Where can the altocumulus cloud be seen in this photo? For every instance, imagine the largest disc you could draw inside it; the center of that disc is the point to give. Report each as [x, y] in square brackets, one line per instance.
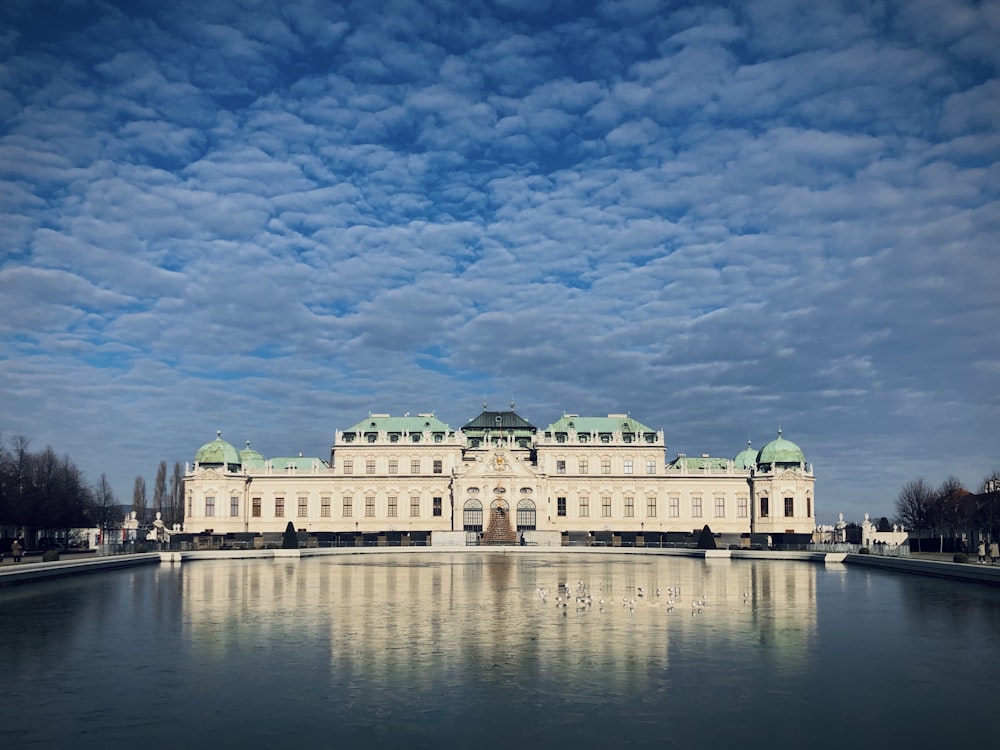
[268, 218]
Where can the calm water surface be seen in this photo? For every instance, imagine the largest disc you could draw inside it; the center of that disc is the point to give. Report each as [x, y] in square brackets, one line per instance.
[449, 650]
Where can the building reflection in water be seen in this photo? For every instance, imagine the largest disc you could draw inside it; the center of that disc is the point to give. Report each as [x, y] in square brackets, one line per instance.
[443, 650]
[398, 619]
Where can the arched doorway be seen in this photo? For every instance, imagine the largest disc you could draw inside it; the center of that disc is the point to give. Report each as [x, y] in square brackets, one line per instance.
[526, 515]
[472, 520]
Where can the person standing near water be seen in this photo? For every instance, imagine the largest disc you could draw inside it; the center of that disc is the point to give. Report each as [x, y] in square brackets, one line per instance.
[994, 552]
[982, 552]
[15, 551]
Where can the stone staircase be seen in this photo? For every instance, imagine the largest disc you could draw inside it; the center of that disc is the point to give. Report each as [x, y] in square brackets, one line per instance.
[499, 530]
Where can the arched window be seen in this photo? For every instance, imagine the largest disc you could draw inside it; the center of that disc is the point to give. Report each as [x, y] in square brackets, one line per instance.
[526, 515]
[472, 516]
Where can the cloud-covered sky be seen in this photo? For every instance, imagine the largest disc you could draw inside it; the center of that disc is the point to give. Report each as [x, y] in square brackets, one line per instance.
[271, 218]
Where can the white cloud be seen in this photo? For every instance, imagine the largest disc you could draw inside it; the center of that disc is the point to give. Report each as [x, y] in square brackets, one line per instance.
[269, 218]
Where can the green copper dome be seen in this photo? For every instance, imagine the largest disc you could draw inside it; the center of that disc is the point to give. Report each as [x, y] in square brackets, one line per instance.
[217, 453]
[746, 458]
[251, 459]
[781, 452]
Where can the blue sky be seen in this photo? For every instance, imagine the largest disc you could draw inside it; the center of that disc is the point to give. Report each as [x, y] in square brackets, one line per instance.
[271, 218]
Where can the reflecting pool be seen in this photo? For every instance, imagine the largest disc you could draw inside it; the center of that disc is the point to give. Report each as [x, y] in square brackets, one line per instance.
[494, 650]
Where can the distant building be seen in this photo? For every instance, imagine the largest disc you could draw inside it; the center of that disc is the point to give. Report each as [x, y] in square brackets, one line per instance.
[411, 479]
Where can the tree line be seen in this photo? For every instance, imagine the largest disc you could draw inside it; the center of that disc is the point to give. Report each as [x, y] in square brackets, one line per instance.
[949, 511]
[166, 500]
[44, 494]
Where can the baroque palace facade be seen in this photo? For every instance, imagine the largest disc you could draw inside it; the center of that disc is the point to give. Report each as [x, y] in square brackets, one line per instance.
[499, 479]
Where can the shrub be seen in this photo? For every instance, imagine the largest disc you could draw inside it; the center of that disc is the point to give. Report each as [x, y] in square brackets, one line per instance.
[140, 548]
[290, 540]
[960, 557]
[864, 551]
[50, 555]
[706, 540]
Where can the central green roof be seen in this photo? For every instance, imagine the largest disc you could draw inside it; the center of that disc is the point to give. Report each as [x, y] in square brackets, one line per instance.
[499, 420]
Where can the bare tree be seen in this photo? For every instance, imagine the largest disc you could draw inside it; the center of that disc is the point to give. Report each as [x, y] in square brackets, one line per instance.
[160, 488]
[914, 506]
[139, 498]
[948, 508]
[176, 514]
[105, 511]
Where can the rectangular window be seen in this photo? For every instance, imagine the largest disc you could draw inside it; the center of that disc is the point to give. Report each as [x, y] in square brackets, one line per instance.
[651, 467]
[789, 507]
[393, 466]
[324, 506]
[741, 507]
[628, 465]
[675, 507]
[560, 506]
[348, 506]
[303, 507]
[605, 465]
[437, 506]
[392, 506]
[629, 507]
[209, 506]
[348, 465]
[415, 506]
[279, 507]
[415, 466]
[560, 467]
[651, 507]
[720, 507]
[437, 466]
[764, 509]
[809, 507]
[695, 507]
[606, 506]
[583, 466]
[584, 507]
[234, 506]
[370, 466]
[369, 506]
[256, 506]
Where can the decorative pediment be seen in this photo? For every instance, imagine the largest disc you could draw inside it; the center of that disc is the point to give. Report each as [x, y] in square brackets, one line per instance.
[212, 473]
[497, 463]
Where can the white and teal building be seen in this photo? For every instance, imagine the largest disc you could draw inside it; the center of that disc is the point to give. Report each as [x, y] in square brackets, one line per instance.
[500, 479]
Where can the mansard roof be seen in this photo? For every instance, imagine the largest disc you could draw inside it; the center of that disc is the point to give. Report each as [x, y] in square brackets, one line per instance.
[299, 463]
[610, 423]
[499, 420]
[406, 423]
